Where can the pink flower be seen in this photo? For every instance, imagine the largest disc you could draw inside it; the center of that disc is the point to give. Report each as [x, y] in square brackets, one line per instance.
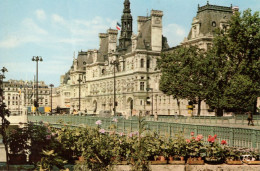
[193, 138]
[48, 137]
[187, 141]
[121, 134]
[192, 133]
[130, 134]
[197, 139]
[102, 131]
[99, 122]
[115, 120]
[223, 142]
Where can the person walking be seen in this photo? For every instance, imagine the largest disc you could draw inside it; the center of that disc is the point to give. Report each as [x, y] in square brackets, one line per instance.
[250, 118]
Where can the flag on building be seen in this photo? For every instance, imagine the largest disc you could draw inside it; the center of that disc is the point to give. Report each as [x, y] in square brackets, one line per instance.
[118, 26]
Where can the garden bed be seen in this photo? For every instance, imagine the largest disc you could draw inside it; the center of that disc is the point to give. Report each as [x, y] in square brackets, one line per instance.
[168, 167]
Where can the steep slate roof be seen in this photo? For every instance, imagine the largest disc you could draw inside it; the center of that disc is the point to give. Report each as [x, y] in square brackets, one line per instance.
[208, 14]
[82, 59]
[144, 37]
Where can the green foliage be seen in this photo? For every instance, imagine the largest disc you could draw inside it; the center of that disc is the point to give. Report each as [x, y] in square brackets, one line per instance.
[49, 160]
[18, 141]
[182, 73]
[227, 76]
[234, 64]
[4, 113]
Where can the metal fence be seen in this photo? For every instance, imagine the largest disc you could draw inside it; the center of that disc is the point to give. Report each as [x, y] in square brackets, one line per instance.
[235, 136]
[228, 120]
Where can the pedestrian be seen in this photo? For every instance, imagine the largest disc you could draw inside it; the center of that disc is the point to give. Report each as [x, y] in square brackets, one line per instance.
[250, 118]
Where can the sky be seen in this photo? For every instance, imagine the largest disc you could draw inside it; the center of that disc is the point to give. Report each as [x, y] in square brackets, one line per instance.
[58, 29]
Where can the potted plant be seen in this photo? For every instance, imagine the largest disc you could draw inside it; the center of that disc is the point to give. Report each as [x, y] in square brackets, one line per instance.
[232, 155]
[18, 145]
[214, 152]
[195, 150]
[177, 150]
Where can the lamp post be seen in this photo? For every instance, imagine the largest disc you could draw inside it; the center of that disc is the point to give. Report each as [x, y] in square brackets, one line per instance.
[3, 75]
[51, 85]
[115, 63]
[147, 89]
[36, 59]
[79, 80]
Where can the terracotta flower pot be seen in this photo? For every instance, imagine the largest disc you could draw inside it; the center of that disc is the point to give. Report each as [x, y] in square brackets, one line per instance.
[182, 158]
[162, 158]
[170, 158]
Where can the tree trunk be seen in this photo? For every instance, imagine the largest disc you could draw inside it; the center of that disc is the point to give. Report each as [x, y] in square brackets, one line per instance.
[255, 107]
[219, 112]
[199, 106]
[179, 108]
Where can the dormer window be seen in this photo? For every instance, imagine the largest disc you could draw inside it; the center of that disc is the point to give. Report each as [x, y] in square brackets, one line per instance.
[213, 24]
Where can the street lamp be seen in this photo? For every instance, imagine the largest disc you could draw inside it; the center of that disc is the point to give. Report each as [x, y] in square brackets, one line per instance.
[147, 89]
[79, 80]
[37, 59]
[51, 85]
[3, 75]
[115, 63]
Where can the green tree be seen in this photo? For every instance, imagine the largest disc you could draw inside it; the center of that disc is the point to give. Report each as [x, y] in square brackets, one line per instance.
[4, 122]
[182, 71]
[234, 65]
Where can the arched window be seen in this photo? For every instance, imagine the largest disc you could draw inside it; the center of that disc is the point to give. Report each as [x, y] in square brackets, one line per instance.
[142, 63]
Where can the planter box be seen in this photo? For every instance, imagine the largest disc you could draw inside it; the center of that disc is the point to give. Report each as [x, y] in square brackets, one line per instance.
[158, 162]
[120, 163]
[192, 161]
[237, 162]
[177, 162]
[252, 162]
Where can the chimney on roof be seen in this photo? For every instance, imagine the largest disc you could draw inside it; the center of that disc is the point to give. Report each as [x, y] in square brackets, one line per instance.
[235, 9]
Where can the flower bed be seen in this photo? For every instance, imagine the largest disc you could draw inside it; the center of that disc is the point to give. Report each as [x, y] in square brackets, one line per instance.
[102, 147]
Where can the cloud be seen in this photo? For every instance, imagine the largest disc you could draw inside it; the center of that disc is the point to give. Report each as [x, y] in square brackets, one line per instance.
[17, 40]
[32, 27]
[175, 34]
[58, 19]
[40, 14]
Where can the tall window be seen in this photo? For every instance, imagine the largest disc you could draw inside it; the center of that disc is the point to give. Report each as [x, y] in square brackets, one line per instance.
[148, 63]
[142, 63]
[141, 86]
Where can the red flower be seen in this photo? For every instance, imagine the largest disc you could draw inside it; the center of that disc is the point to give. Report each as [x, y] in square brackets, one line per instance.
[211, 139]
[215, 136]
[193, 138]
[192, 133]
[188, 141]
[223, 142]
[200, 136]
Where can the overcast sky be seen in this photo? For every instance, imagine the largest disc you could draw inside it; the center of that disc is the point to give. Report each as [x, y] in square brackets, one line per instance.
[55, 29]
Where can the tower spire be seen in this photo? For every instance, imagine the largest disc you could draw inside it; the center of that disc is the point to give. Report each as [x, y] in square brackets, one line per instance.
[126, 22]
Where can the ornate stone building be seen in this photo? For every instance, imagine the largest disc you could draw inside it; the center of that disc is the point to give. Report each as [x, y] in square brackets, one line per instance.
[129, 66]
[20, 95]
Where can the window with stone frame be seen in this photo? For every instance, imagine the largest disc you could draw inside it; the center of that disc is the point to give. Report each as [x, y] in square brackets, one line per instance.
[142, 63]
[148, 63]
[142, 86]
